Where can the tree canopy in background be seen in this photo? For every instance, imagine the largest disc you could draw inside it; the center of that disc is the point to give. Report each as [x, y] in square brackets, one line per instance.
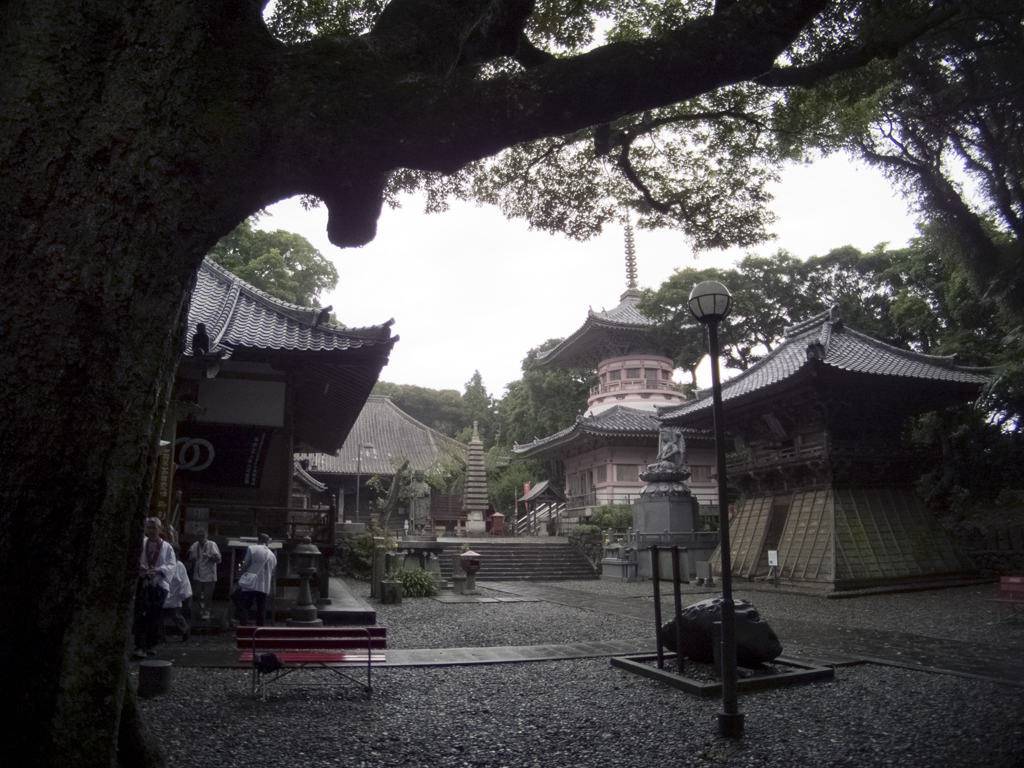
[939, 115]
[283, 264]
[545, 400]
[442, 410]
[929, 91]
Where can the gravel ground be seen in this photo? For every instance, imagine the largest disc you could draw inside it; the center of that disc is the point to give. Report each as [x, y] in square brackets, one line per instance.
[586, 713]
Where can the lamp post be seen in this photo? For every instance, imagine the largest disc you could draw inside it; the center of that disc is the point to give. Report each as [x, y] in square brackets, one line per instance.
[710, 303]
[359, 467]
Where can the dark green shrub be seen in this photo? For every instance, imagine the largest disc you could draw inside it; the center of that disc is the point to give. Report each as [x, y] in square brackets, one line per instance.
[618, 517]
[415, 582]
[357, 550]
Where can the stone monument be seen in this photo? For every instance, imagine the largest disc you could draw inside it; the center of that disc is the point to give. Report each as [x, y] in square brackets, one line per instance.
[756, 641]
[667, 513]
[475, 501]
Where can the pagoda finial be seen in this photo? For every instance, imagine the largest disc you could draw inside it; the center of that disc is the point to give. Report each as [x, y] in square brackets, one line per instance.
[630, 256]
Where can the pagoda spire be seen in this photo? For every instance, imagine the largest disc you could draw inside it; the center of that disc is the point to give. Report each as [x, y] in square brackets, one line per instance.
[630, 256]
[631, 292]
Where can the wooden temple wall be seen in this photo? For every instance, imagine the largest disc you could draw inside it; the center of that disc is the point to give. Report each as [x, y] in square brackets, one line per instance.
[841, 538]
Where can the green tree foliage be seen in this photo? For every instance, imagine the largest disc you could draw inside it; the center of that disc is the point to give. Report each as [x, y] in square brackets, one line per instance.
[506, 474]
[283, 264]
[443, 410]
[482, 410]
[447, 474]
[951, 102]
[618, 517]
[916, 298]
[397, 490]
[768, 294]
[544, 400]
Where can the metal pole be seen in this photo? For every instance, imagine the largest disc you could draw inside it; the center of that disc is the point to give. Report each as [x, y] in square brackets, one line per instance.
[679, 609]
[359, 467]
[730, 721]
[656, 574]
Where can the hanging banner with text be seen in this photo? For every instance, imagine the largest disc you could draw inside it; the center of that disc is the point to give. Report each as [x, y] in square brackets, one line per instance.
[221, 454]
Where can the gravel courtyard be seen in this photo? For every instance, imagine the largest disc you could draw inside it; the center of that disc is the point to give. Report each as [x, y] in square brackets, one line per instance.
[586, 713]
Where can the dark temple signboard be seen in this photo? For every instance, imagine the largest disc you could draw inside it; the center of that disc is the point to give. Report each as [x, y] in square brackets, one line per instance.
[221, 454]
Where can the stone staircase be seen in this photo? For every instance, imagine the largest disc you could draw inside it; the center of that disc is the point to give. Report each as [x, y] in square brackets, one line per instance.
[522, 561]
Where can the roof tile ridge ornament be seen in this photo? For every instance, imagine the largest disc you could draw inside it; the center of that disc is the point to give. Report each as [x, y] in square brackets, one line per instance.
[832, 316]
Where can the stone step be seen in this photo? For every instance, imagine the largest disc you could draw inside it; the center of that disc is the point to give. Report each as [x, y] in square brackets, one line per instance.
[522, 561]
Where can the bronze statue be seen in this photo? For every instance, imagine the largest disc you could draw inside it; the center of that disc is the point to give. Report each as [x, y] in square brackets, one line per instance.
[668, 466]
[419, 503]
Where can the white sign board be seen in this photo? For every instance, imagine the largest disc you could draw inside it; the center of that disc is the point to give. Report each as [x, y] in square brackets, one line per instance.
[773, 558]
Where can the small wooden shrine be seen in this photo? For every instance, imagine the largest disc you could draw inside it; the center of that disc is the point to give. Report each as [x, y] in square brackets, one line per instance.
[819, 459]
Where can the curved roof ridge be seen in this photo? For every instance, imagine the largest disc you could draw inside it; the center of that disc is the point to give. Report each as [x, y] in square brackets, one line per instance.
[622, 318]
[294, 311]
[946, 361]
[625, 312]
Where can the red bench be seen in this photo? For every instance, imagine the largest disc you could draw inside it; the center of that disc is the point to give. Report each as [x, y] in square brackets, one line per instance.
[1011, 595]
[275, 652]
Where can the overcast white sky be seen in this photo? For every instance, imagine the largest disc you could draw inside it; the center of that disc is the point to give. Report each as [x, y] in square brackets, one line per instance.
[471, 290]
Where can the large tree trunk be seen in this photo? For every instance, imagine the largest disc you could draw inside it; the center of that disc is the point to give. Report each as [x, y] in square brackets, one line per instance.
[132, 136]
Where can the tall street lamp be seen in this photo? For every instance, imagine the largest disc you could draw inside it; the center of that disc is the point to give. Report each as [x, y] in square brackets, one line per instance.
[359, 467]
[710, 303]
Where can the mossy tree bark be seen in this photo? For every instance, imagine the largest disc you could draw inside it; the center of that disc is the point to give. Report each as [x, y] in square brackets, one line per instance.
[135, 134]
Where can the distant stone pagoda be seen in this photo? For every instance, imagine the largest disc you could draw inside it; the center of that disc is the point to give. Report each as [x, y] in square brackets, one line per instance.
[600, 457]
[476, 503]
[817, 426]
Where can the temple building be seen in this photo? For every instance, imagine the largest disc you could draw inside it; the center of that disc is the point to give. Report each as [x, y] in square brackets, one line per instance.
[826, 485]
[598, 459]
[383, 435]
[261, 379]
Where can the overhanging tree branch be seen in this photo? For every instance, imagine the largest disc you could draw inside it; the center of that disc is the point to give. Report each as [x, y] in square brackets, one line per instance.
[362, 89]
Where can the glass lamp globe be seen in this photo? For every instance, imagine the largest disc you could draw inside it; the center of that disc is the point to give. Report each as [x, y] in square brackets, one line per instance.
[710, 301]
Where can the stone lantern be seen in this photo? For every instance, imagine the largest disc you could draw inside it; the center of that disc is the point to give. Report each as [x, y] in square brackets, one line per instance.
[470, 564]
[305, 558]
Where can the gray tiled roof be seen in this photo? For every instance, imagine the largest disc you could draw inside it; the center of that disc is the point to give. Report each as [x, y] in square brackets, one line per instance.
[618, 421]
[333, 369]
[305, 477]
[584, 348]
[825, 341]
[393, 434]
[545, 491]
[237, 314]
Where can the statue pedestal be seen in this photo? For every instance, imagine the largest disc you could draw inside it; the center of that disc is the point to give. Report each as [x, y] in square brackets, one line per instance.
[667, 520]
[674, 513]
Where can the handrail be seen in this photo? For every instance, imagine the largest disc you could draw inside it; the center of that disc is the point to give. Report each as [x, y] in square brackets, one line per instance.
[636, 385]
